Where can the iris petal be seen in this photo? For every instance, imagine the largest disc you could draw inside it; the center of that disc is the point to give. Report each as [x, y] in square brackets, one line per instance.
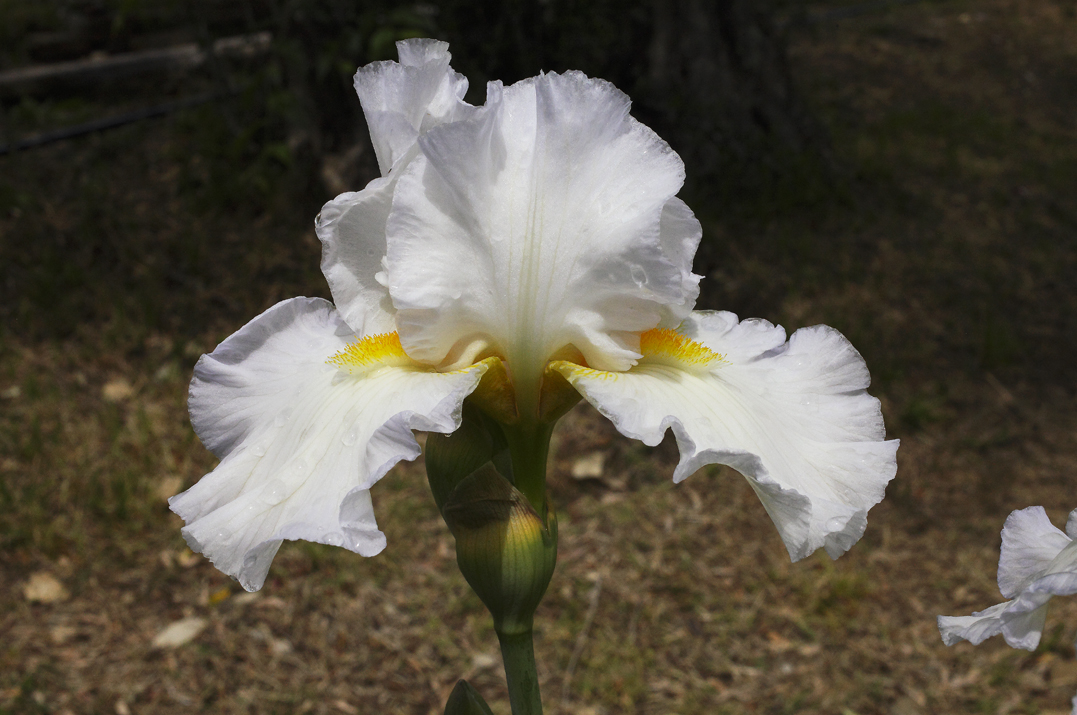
[351, 228]
[550, 206]
[403, 99]
[300, 441]
[791, 417]
[1029, 543]
[1038, 562]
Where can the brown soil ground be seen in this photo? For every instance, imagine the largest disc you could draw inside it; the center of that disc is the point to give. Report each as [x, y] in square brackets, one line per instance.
[953, 268]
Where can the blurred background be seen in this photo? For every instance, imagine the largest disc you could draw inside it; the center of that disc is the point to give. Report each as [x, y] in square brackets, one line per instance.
[903, 171]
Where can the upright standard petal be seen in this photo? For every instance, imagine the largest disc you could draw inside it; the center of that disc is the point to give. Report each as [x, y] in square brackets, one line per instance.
[550, 204]
[305, 417]
[351, 228]
[403, 99]
[794, 418]
[680, 234]
[1030, 542]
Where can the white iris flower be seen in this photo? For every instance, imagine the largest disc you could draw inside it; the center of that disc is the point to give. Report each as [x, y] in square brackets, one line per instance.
[515, 249]
[1038, 561]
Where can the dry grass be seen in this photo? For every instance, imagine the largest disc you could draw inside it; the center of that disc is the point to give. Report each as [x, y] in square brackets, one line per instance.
[953, 270]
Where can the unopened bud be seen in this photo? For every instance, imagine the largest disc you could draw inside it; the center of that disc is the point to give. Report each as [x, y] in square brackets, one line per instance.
[505, 550]
[450, 458]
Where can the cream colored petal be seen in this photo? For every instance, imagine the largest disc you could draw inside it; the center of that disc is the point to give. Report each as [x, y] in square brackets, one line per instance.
[1030, 542]
[794, 418]
[351, 228]
[1038, 562]
[1022, 624]
[975, 628]
[680, 234]
[541, 222]
[300, 441]
[401, 100]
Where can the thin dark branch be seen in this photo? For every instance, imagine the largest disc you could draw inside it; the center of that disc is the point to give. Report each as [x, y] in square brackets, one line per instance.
[118, 120]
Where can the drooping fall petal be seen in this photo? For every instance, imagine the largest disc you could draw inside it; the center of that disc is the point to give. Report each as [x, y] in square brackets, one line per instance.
[793, 417]
[302, 439]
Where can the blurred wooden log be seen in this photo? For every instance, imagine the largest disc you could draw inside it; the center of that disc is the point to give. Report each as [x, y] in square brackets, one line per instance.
[112, 122]
[37, 79]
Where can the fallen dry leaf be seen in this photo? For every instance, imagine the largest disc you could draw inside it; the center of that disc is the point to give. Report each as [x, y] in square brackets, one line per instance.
[43, 587]
[169, 487]
[589, 466]
[61, 634]
[179, 632]
[117, 390]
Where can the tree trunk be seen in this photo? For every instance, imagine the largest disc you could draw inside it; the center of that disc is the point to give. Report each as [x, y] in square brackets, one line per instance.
[719, 88]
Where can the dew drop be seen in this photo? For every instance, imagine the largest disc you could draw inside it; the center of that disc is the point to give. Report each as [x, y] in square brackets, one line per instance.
[274, 492]
[351, 438]
[835, 523]
[639, 277]
[223, 536]
[300, 466]
[334, 538]
[280, 420]
[259, 450]
[318, 220]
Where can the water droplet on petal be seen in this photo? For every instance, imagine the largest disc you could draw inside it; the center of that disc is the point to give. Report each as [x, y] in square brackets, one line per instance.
[835, 523]
[281, 419]
[334, 538]
[351, 438]
[223, 536]
[259, 450]
[318, 220]
[300, 466]
[275, 492]
[639, 276]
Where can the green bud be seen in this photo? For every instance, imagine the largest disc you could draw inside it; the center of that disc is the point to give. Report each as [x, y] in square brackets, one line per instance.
[465, 700]
[505, 550]
[452, 457]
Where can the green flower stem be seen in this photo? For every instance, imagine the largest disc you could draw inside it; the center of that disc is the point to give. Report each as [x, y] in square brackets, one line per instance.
[518, 654]
[529, 447]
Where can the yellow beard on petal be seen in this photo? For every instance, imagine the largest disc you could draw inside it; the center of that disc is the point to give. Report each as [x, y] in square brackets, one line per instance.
[373, 352]
[659, 346]
[668, 347]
